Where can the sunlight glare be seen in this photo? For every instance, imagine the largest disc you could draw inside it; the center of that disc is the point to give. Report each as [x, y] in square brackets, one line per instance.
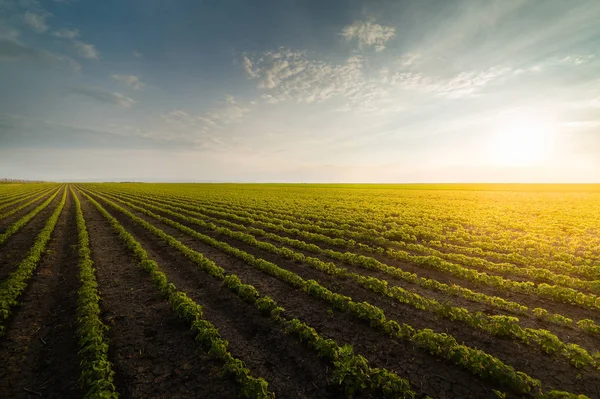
[523, 139]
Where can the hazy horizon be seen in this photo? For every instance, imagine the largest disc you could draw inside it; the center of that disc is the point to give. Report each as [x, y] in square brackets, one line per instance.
[284, 91]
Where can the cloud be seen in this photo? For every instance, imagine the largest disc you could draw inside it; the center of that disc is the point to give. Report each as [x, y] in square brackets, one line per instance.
[86, 50]
[578, 59]
[290, 75]
[462, 84]
[223, 114]
[247, 63]
[104, 96]
[9, 33]
[137, 54]
[65, 33]
[19, 131]
[11, 49]
[130, 80]
[37, 21]
[409, 59]
[229, 112]
[369, 34]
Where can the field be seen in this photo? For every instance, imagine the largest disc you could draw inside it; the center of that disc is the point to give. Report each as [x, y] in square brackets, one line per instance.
[299, 291]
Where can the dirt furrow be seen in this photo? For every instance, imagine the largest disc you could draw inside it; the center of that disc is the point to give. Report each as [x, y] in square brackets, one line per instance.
[552, 371]
[573, 311]
[429, 374]
[292, 370]
[566, 334]
[39, 353]
[16, 247]
[7, 221]
[153, 351]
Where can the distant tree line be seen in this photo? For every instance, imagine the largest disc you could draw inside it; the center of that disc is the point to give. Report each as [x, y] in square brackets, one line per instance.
[8, 181]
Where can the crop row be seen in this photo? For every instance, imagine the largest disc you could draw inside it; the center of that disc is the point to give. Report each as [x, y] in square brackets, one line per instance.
[23, 205]
[432, 231]
[434, 259]
[16, 283]
[191, 312]
[495, 325]
[406, 239]
[16, 226]
[22, 197]
[366, 262]
[10, 194]
[443, 345]
[97, 374]
[554, 292]
[350, 370]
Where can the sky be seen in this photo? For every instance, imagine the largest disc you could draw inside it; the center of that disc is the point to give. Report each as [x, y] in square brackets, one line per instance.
[300, 91]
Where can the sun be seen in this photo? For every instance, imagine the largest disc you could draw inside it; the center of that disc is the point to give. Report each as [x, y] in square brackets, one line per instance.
[523, 139]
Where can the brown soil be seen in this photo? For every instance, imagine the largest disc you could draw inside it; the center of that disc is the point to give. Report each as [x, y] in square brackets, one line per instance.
[7, 221]
[292, 370]
[552, 371]
[39, 352]
[16, 246]
[430, 375]
[153, 351]
[573, 311]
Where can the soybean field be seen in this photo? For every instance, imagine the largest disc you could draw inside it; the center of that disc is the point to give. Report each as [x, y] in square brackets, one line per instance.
[136, 290]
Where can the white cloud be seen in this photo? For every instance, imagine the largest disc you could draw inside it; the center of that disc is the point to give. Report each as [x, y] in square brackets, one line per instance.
[130, 80]
[37, 21]
[409, 59]
[248, 66]
[291, 75]
[369, 34]
[65, 33]
[86, 50]
[104, 96]
[577, 59]
[463, 84]
[225, 113]
[137, 54]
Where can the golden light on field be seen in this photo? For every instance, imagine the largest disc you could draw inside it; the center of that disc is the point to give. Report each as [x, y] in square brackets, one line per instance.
[522, 139]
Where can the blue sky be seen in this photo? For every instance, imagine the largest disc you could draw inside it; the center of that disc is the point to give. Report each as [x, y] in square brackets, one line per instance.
[319, 91]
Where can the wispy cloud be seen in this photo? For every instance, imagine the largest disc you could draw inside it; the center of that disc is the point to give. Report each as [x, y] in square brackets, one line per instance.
[65, 33]
[86, 50]
[37, 20]
[221, 115]
[104, 96]
[132, 81]
[290, 75]
[459, 85]
[369, 34]
[11, 49]
[137, 54]
[226, 112]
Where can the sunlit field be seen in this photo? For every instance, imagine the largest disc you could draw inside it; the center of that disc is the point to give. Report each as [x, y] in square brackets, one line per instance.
[303, 290]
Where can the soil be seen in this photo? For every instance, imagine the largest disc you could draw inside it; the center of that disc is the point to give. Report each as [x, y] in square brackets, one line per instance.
[551, 370]
[153, 351]
[430, 375]
[39, 352]
[15, 248]
[155, 355]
